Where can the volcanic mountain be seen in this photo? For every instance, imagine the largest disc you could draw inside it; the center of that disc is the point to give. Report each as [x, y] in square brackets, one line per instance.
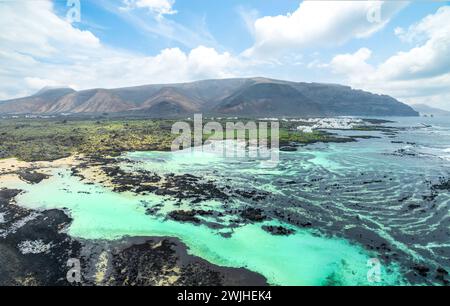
[237, 97]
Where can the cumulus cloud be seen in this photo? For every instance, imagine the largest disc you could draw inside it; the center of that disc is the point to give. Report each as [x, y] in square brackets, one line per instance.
[352, 64]
[421, 73]
[321, 23]
[41, 49]
[427, 27]
[428, 59]
[22, 30]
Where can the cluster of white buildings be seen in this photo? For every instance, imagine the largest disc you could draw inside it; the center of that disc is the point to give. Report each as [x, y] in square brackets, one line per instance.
[329, 123]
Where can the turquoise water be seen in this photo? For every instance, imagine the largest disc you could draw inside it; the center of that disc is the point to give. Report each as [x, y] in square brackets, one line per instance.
[341, 189]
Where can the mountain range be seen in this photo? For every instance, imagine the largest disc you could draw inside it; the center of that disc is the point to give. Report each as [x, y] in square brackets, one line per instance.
[229, 97]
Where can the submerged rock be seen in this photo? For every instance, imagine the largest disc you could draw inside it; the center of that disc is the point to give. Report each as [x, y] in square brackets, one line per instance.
[278, 230]
[422, 270]
[444, 184]
[442, 276]
[288, 149]
[253, 214]
[184, 216]
[189, 215]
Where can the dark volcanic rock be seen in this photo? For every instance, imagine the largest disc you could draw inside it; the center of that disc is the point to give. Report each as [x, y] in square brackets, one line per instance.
[278, 230]
[444, 184]
[370, 240]
[253, 214]
[405, 152]
[288, 149]
[184, 216]
[7, 194]
[139, 181]
[442, 276]
[21, 264]
[413, 206]
[32, 177]
[422, 270]
[190, 215]
[188, 186]
[164, 261]
[185, 186]
[252, 194]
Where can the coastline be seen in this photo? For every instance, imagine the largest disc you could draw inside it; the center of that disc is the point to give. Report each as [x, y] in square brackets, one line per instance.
[161, 261]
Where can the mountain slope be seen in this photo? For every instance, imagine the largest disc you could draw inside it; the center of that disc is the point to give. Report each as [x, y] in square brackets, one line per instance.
[240, 96]
[345, 101]
[268, 99]
[88, 101]
[37, 103]
[168, 102]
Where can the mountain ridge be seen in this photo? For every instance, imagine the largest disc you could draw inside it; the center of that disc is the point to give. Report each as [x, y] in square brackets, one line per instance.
[237, 96]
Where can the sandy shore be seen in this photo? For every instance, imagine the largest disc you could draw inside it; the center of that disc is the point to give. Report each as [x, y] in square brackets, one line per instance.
[95, 174]
[10, 166]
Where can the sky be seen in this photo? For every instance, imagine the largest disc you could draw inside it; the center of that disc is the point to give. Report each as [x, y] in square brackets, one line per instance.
[388, 47]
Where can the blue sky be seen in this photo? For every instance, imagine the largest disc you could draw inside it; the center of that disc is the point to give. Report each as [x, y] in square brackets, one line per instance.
[403, 51]
[224, 22]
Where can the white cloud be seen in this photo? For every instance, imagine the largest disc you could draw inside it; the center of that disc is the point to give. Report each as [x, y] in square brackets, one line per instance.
[429, 26]
[41, 49]
[352, 64]
[426, 60]
[38, 83]
[202, 60]
[421, 73]
[30, 37]
[157, 7]
[321, 23]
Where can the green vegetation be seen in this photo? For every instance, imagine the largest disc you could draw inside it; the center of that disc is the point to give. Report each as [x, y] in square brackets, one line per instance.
[287, 136]
[51, 139]
[42, 139]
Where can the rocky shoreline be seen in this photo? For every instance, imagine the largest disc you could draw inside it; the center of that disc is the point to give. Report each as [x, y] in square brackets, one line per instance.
[35, 250]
